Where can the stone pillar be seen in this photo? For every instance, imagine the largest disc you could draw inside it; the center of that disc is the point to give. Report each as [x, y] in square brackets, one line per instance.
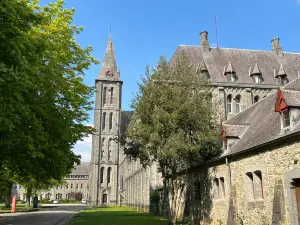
[248, 99]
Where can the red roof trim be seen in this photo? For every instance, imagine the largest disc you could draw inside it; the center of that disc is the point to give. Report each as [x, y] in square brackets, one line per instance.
[280, 105]
[223, 136]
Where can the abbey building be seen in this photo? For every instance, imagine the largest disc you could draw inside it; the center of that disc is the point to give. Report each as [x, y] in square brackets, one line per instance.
[240, 79]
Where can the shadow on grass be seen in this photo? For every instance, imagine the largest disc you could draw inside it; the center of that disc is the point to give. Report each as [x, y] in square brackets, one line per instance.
[115, 216]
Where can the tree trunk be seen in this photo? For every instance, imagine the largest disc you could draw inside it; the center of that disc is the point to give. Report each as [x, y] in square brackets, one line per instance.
[28, 196]
[8, 194]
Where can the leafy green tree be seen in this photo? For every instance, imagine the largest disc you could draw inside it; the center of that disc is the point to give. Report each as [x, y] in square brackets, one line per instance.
[173, 125]
[44, 101]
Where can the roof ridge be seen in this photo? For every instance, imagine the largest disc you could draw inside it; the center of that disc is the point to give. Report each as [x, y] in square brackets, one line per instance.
[241, 49]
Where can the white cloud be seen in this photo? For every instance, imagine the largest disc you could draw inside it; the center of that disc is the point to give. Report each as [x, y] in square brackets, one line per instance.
[298, 2]
[84, 148]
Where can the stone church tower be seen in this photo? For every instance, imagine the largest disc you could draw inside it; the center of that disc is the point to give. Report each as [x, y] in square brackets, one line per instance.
[105, 153]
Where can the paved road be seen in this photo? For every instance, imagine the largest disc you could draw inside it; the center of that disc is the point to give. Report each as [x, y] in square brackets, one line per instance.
[49, 215]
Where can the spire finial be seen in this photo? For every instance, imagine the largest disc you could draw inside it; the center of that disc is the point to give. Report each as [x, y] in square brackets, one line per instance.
[110, 29]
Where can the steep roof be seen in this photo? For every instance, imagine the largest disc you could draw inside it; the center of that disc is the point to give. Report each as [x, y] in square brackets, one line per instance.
[242, 60]
[109, 69]
[125, 120]
[82, 169]
[260, 124]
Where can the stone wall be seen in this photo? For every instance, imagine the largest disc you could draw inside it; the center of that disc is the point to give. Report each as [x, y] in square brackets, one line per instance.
[138, 183]
[247, 200]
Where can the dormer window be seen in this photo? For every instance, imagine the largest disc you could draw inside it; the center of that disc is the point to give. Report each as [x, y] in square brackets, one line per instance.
[230, 73]
[282, 80]
[231, 77]
[281, 76]
[256, 74]
[257, 79]
[286, 119]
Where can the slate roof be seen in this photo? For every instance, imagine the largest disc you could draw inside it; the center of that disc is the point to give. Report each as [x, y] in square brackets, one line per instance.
[262, 123]
[243, 62]
[109, 63]
[125, 120]
[82, 169]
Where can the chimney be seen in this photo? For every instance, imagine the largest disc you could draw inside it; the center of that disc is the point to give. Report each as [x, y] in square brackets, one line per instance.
[204, 41]
[276, 48]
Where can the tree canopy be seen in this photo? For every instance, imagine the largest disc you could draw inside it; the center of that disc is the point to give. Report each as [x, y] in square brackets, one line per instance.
[174, 124]
[44, 102]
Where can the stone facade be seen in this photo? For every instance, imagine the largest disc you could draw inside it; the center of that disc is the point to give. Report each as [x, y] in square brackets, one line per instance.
[76, 186]
[256, 179]
[239, 78]
[271, 205]
[105, 153]
[138, 182]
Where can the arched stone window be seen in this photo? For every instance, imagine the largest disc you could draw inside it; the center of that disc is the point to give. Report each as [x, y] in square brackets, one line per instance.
[111, 95]
[109, 149]
[229, 104]
[102, 148]
[101, 175]
[238, 104]
[108, 175]
[110, 120]
[256, 99]
[122, 182]
[103, 120]
[104, 95]
[249, 186]
[259, 191]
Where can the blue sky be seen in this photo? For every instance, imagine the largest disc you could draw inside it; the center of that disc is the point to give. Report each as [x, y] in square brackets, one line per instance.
[145, 30]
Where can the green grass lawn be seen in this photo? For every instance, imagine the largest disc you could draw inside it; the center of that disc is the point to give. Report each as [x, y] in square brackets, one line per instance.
[115, 216]
[20, 208]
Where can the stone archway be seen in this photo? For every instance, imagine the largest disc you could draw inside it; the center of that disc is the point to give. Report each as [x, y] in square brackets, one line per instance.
[292, 184]
[104, 197]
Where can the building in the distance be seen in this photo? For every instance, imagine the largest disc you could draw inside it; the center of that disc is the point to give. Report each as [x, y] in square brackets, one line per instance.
[76, 186]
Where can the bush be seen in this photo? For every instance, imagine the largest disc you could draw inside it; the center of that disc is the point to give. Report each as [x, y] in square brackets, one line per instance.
[46, 201]
[21, 202]
[154, 202]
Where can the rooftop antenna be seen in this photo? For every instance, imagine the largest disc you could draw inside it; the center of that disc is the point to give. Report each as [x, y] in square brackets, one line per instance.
[217, 40]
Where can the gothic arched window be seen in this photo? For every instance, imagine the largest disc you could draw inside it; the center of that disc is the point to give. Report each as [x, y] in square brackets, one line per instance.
[229, 104]
[238, 104]
[102, 148]
[103, 120]
[104, 95]
[109, 149]
[108, 175]
[110, 120]
[101, 175]
[111, 95]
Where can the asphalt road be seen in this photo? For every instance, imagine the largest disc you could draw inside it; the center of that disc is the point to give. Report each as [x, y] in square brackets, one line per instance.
[49, 215]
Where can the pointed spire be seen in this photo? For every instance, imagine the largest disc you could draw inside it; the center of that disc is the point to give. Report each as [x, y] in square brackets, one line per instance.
[281, 71]
[229, 69]
[109, 69]
[256, 70]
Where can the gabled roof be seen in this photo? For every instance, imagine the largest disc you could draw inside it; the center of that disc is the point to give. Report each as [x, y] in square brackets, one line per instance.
[262, 122]
[125, 120]
[255, 70]
[242, 59]
[82, 169]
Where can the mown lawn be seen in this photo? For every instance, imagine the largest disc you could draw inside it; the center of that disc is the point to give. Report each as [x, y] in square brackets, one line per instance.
[115, 216]
[20, 208]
